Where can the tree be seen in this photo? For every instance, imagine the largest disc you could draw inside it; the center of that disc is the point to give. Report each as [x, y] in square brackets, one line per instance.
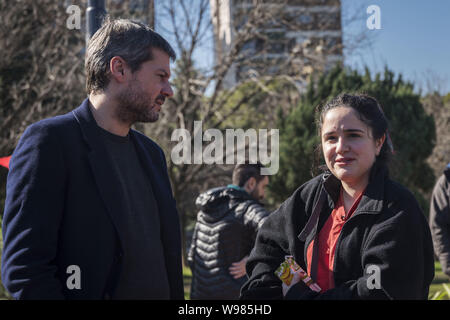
[41, 70]
[446, 99]
[200, 93]
[411, 129]
[273, 94]
[438, 107]
[202, 90]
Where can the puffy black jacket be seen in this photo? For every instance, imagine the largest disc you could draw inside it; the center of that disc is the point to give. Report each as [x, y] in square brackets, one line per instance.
[225, 232]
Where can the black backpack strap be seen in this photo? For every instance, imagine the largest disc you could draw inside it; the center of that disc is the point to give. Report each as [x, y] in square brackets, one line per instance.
[311, 225]
[311, 229]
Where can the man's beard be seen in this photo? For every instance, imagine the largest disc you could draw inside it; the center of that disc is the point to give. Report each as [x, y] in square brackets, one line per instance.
[255, 194]
[135, 105]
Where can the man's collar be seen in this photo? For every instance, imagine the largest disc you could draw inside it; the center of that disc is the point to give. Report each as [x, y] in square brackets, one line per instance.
[233, 186]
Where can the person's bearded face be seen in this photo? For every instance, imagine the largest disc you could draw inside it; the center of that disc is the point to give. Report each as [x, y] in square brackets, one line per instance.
[258, 192]
[136, 105]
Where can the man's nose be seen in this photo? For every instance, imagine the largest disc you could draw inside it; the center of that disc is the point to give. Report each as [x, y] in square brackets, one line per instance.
[167, 90]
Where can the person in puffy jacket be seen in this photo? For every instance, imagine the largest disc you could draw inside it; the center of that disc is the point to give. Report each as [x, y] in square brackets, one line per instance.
[225, 232]
[440, 220]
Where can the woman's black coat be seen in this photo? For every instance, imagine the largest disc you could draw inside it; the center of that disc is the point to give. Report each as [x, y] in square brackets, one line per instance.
[387, 233]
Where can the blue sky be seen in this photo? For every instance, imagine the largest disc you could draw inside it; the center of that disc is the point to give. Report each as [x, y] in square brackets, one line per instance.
[414, 40]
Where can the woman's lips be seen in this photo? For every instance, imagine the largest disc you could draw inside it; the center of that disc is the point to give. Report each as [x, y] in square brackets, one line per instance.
[344, 161]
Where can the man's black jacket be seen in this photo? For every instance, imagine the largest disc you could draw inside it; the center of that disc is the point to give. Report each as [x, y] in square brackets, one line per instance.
[388, 232]
[64, 208]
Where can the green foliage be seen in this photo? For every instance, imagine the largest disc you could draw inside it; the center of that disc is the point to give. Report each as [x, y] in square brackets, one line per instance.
[442, 295]
[446, 99]
[248, 115]
[411, 129]
[3, 293]
[298, 140]
[439, 285]
[187, 280]
[254, 104]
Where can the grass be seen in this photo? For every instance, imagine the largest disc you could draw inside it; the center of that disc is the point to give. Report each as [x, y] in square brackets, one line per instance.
[436, 286]
[439, 279]
[187, 279]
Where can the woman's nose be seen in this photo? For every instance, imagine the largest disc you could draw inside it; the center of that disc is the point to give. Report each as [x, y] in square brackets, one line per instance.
[341, 145]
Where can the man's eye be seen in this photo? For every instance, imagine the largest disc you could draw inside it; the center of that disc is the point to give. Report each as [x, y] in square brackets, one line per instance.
[330, 138]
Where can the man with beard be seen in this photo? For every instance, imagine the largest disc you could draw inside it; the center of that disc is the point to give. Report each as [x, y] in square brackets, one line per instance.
[225, 232]
[89, 212]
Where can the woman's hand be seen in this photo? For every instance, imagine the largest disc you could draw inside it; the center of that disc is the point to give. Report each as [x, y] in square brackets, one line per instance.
[298, 275]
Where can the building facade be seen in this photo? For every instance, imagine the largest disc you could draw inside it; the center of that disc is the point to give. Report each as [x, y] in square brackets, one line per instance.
[291, 37]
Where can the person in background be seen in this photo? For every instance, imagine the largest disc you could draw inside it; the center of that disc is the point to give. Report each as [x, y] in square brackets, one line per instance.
[89, 210]
[357, 233]
[440, 220]
[225, 232]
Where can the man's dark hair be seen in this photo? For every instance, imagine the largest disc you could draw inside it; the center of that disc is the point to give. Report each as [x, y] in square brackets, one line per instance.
[243, 172]
[130, 40]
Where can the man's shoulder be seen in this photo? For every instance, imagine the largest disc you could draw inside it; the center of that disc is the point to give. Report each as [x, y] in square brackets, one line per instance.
[43, 140]
[257, 208]
[252, 213]
[442, 185]
[51, 126]
[251, 207]
[142, 138]
[447, 172]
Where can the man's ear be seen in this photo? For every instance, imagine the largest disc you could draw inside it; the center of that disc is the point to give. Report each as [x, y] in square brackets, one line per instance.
[250, 184]
[118, 69]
